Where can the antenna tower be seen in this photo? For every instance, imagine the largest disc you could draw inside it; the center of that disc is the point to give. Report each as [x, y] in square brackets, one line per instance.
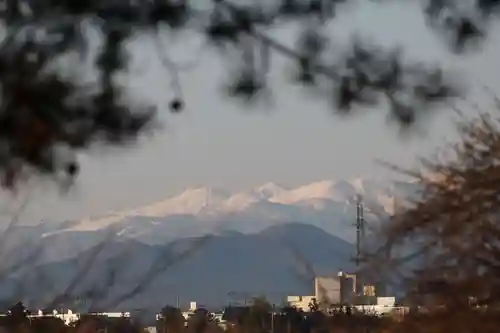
[360, 231]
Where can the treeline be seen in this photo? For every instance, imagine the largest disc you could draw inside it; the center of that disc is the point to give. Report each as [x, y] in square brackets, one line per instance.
[262, 317]
[19, 320]
[259, 318]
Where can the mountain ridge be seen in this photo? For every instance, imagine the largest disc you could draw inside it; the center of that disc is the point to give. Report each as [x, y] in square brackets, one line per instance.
[328, 205]
[231, 263]
[275, 202]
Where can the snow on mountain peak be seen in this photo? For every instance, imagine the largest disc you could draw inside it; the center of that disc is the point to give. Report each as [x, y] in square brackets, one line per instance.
[317, 190]
[191, 201]
[240, 201]
[269, 190]
[261, 203]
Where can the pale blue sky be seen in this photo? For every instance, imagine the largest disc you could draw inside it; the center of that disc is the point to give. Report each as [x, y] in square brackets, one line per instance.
[217, 142]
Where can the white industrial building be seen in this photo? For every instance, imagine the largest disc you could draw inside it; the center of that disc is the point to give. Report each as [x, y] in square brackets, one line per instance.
[345, 289]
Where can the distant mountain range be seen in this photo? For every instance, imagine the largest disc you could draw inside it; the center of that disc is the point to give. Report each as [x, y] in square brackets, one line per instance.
[324, 203]
[329, 205]
[253, 232]
[215, 270]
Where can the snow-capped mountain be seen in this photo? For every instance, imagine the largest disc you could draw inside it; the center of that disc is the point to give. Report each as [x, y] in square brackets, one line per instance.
[252, 225]
[327, 204]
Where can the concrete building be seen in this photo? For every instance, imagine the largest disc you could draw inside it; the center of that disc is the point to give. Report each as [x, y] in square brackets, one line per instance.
[110, 314]
[336, 289]
[383, 305]
[345, 288]
[328, 289]
[192, 308]
[71, 317]
[300, 302]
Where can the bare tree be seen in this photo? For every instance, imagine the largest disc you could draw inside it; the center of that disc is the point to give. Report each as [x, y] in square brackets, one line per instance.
[448, 240]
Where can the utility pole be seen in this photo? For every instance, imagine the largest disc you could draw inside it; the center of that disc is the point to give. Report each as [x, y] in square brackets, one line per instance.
[272, 318]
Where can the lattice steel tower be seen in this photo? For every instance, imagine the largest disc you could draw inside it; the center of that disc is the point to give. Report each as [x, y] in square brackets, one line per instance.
[360, 231]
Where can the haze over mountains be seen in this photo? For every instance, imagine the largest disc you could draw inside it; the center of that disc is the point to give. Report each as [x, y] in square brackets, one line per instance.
[255, 234]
